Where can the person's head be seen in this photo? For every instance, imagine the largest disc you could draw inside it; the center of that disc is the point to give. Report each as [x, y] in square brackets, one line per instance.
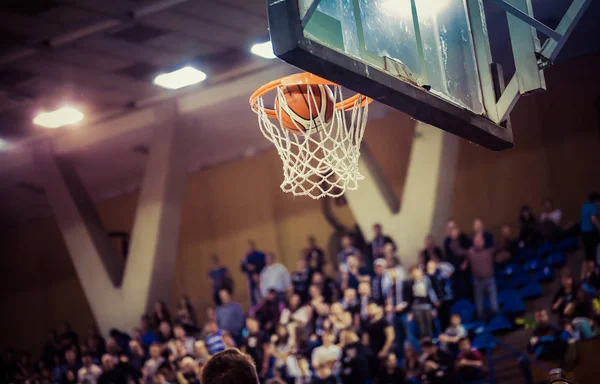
[388, 250]
[188, 366]
[526, 214]
[478, 225]
[506, 231]
[455, 320]
[252, 325]
[478, 241]
[271, 295]
[541, 316]
[282, 333]
[594, 197]
[588, 268]
[229, 367]
[211, 327]
[464, 344]
[225, 296]
[377, 230]
[200, 349]
[86, 359]
[429, 241]
[269, 258]
[364, 289]
[165, 328]
[328, 338]
[431, 267]
[346, 241]
[314, 291]
[144, 323]
[295, 302]
[427, 346]
[108, 362]
[547, 205]
[410, 352]
[379, 266]
[391, 362]
[352, 262]
[70, 376]
[336, 309]
[416, 273]
[154, 350]
[317, 278]
[566, 278]
[311, 242]
[323, 309]
[301, 264]
[166, 373]
[350, 294]
[211, 313]
[70, 356]
[159, 306]
[374, 310]
[135, 347]
[450, 226]
[179, 331]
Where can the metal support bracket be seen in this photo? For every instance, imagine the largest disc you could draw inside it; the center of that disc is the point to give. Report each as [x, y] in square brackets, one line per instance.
[516, 12]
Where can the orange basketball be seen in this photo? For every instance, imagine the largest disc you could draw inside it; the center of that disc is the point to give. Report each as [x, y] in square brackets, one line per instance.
[305, 111]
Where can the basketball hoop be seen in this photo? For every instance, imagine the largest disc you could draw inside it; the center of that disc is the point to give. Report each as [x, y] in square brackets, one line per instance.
[318, 144]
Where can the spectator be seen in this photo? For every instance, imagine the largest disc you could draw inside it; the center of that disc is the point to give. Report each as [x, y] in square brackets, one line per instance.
[481, 260]
[301, 279]
[230, 315]
[228, 367]
[165, 332]
[111, 372]
[437, 366]
[187, 341]
[151, 365]
[354, 361]
[148, 337]
[255, 345]
[396, 306]
[454, 246]
[377, 281]
[545, 342]
[280, 349]
[137, 358]
[70, 364]
[449, 339]
[314, 256]
[412, 365]
[201, 352]
[220, 278]
[350, 302]
[590, 278]
[564, 300]
[590, 226]
[509, 246]
[379, 241]
[214, 338]
[70, 377]
[442, 286]
[479, 228]
[160, 314]
[268, 312]
[89, 372]
[347, 250]
[421, 301]
[186, 315]
[323, 375]
[364, 295]
[328, 354]
[253, 264]
[378, 335]
[549, 213]
[469, 362]
[528, 222]
[430, 252]
[188, 370]
[390, 373]
[274, 277]
[67, 337]
[350, 274]
[326, 286]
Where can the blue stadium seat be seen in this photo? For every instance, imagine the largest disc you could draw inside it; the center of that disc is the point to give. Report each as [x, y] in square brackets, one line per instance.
[534, 264]
[465, 309]
[514, 305]
[545, 249]
[502, 283]
[531, 291]
[525, 254]
[544, 275]
[513, 269]
[499, 323]
[474, 326]
[568, 244]
[484, 341]
[557, 259]
[519, 281]
[505, 296]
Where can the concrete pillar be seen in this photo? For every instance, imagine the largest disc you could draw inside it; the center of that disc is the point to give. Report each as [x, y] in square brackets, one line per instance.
[426, 202]
[119, 292]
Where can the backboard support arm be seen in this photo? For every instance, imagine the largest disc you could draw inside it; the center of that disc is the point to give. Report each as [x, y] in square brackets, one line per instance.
[551, 47]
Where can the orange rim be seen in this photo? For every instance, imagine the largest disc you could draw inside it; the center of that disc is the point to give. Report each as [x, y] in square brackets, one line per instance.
[302, 78]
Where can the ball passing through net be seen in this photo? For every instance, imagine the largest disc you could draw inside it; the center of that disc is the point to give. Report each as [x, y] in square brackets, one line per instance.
[316, 131]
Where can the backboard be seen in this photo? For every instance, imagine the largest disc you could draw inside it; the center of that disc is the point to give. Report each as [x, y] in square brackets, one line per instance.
[428, 58]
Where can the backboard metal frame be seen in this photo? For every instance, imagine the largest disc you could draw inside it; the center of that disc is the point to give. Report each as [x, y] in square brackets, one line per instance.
[292, 46]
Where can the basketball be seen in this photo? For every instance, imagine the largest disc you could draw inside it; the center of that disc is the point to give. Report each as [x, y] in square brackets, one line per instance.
[304, 111]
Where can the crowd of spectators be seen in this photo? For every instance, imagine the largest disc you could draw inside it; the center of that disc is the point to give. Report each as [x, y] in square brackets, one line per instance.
[370, 319]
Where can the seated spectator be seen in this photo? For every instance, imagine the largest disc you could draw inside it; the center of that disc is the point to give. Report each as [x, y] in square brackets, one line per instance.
[186, 315]
[148, 336]
[328, 354]
[545, 341]
[70, 364]
[364, 295]
[301, 279]
[70, 377]
[313, 255]
[412, 365]
[451, 336]
[509, 246]
[188, 370]
[328, 288]
[288, 313]
[68, 338]
[165, 333]
[89, 373]
[280, 350]
[137, 358]
[340, 318]
[351, 303]
[354, 361]
[390, 372]
[230, 315]
[255, 345]
[479, 228]
[349, 274]
[469, 362]
[442, 286]
[151, 365]
[528, 237]
[347, 250]
[379, 335]
[214, 338]
[299, 370]
[437, 366]
[201, 352]
[549, 226]
[390, 256]
[421, 301]
[230, 366]
[590, 225]
[114, 372]
[323, 375]
[563, 302]
[590, 278]
[187, 341]
[220, 279]
[430, 252]
[160, 314]
[378, 244]
[274, 277]
[268, 312]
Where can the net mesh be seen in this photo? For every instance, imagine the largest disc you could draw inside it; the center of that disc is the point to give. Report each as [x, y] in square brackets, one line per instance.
[320, 158]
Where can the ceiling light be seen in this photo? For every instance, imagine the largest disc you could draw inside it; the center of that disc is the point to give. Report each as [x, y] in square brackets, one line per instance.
[4, 144]
[263, 50]
[58, 118]
[180, 78]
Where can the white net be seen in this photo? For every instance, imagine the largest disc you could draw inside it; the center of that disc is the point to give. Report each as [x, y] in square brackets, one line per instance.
[321, 157]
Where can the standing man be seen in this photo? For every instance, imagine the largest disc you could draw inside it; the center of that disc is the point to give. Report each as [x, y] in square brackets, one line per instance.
[590, 226]
[221, 279]
[253, 263]
[315, 257]
[379, 241]
[90, 372]
[274, 276]
[230, 316]
[348, 249]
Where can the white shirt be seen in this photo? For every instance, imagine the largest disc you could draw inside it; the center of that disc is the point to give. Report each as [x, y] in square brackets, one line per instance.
[555, 216]
[324, 354]
[89, 375]
[276, 277]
